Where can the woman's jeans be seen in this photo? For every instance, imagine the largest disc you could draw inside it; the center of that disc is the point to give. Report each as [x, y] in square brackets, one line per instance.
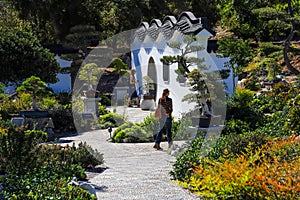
[167, 123]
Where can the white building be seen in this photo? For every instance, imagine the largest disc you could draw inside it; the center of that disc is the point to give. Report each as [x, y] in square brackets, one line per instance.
[150, 44]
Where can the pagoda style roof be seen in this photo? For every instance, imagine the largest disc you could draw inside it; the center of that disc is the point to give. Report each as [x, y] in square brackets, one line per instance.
[187, 24]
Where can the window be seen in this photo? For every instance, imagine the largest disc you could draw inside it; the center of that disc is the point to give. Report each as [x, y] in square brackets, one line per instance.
[166, 73]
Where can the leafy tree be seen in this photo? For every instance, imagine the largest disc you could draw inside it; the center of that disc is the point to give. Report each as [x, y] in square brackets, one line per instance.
[176, 7]
[118, 16]
[239, 52]
[119, 66]
[82, 36]
[237, 16]
[184, 61]
[59, 16]
[263, 20]
[273, 67]
[198, 81]
[22, 56]
[51, 19]
[9, 17]
[89, 74]
[1, 90]
[34, 86]
[293, 18]
[283, 17]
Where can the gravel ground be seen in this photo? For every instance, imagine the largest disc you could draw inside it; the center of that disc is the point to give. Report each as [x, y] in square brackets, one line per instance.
[133, 171]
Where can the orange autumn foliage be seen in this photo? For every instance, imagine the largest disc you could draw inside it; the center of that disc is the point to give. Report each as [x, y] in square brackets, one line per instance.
[271, 172]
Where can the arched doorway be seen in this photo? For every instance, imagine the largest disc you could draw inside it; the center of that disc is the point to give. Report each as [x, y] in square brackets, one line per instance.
[153, 75]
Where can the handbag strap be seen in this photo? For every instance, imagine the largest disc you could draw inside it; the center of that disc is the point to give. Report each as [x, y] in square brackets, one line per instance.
[159, 103]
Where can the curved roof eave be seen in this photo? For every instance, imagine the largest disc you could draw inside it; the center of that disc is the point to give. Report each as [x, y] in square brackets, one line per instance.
[156, 22]
[188, 15]
[171, 19]
[187, 23]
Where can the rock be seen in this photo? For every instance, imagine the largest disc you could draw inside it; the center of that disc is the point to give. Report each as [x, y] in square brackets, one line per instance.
[176, 149]
[84, 185]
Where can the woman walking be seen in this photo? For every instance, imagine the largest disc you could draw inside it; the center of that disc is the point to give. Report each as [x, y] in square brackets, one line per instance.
[166, 105]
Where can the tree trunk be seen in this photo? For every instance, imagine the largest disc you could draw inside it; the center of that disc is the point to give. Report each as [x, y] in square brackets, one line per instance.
[33, 103]
[233, 73]
[287, 43]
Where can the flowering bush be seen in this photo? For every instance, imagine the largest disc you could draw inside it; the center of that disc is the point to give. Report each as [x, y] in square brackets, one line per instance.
[270, 172]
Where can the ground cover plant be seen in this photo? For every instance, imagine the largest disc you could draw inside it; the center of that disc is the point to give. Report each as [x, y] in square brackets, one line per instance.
[32, 169]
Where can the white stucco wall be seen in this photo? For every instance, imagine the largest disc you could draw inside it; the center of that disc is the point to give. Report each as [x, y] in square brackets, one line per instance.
[156, 50]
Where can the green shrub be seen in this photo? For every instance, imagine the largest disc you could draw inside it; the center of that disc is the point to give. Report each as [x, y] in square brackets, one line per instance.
[114, 119]
[9, 106]
[103, 125]
[146, 131]
[105, 100]
[181, 168]
[241, 98]
[252, 84]
[239, 106]
[62, 118]
[20, 150]
[118, 134]
[84, 155]
[137, 132]
[235, 126]
[236, 144]
[131, 132]
[34, 170]
[48, 103]
[17, 146]
[293, 116]
[179, 128]
[275, 125]
[44, 182]
[150, 125]
[102, 109]
[225, 147]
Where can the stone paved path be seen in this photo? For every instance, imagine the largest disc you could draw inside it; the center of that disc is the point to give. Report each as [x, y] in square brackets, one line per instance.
[134, 171]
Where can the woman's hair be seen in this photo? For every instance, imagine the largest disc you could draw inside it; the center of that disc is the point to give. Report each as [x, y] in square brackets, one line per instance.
[165, 92]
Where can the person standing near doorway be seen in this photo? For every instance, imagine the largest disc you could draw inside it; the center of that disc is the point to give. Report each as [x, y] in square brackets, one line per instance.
[166, 105]
[132, 91]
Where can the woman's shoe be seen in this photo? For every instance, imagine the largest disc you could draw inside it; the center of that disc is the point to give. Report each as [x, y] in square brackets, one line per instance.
[170, 145]
[156, 146]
